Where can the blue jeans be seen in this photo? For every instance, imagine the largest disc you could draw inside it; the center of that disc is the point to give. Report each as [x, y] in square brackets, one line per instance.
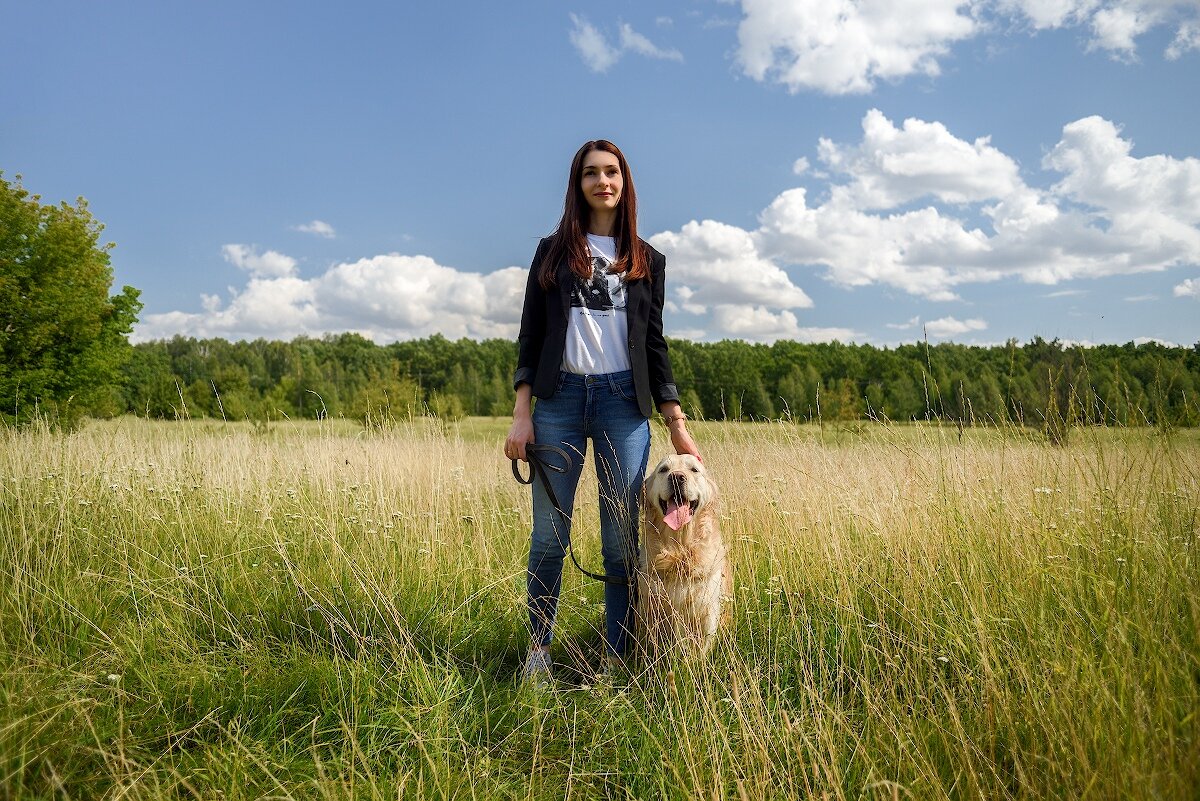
[602, 408]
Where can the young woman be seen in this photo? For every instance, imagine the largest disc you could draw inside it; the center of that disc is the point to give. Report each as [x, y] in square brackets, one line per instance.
[591, 349]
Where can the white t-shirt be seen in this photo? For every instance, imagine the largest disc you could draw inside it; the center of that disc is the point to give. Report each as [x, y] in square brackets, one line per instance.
[597, 328]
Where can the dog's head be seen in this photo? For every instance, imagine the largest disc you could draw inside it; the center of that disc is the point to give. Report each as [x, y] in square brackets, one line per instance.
[678, 488]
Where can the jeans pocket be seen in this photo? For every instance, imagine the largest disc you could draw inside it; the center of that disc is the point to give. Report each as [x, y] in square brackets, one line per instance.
[625, 389]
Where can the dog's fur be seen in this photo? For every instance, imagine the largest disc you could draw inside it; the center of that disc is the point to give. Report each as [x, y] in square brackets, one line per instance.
[684, 572]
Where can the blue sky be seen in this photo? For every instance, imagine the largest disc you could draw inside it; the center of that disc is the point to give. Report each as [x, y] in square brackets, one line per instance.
[813, 169]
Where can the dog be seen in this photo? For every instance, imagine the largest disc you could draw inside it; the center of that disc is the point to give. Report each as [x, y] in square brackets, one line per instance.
[684, 569]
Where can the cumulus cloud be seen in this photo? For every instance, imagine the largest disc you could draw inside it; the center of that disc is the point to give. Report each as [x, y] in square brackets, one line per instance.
[844, 46]
[1115, 25]
[715, 263]
[942, 327]
[599, 54]
[760, 324]
[318, 228]
[949, 326]
[1109, 213]
[387, 298]
[892, 166]
[270, 264]
[1190, 288]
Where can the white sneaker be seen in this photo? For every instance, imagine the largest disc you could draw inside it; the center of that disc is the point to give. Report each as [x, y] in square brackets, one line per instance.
[537, 668]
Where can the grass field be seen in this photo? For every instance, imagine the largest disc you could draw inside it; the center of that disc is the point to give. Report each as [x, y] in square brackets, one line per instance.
[315, 611]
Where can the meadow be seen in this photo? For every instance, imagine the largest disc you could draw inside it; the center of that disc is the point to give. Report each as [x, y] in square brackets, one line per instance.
[319, 611]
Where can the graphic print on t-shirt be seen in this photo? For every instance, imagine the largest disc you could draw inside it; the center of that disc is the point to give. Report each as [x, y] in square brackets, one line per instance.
[604, 292]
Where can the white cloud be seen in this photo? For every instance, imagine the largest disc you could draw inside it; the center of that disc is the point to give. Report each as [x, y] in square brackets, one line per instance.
[268, 265]
[760, 324]
[1109, 213]
[599, 54]
[912, 322]
[593, 48]
[713, 263]
[1115, 25]
[634, 42]
[1190, 288]
[892, 166]
[386, 298]
[1187, 37]
[842, 46]
[1065, 293]
[1140, 298]
[949, 326]
[317, 227]
[846, 46]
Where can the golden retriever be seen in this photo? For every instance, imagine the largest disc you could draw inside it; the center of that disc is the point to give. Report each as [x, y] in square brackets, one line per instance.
[684, 572]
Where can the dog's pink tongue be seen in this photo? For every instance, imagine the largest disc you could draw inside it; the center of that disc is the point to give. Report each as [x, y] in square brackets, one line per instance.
[678, 515]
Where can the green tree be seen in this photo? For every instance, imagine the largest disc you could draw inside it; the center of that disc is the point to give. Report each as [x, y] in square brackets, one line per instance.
[63, 340]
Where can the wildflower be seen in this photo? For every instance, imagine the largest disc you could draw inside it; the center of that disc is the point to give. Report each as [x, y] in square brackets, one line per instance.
[943, 659]
[1043, 490]
[113, 678]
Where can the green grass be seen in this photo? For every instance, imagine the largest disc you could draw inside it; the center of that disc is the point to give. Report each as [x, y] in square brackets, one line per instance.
[315, 611]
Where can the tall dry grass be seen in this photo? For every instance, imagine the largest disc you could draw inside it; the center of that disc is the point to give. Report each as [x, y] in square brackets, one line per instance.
[315, 611]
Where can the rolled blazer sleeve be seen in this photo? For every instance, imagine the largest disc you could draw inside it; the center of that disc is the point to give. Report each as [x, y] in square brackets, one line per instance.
[662, 380]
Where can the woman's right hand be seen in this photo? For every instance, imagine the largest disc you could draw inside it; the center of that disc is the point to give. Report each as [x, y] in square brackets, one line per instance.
[520, 435]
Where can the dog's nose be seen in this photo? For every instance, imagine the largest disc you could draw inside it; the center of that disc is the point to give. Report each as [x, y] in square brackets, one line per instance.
[678, 482]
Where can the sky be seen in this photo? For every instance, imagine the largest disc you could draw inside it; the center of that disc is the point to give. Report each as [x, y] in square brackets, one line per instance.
[873, 172]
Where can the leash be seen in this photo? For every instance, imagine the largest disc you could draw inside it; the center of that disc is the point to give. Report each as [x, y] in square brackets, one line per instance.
[538, 467]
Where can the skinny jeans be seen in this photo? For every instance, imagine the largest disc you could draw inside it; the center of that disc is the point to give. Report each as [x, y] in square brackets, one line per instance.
[604, 409]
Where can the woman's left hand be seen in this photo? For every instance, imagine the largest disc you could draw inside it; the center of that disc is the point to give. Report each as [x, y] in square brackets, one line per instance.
[682, 441]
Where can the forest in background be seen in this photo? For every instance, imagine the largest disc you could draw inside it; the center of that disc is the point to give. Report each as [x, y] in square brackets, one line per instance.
[1038, 383]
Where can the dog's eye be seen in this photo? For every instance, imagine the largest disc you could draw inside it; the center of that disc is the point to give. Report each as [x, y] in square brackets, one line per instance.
[662, 469]
[695, 469]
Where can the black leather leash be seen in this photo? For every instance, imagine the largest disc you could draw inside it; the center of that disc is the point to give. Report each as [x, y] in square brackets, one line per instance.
[538, 466]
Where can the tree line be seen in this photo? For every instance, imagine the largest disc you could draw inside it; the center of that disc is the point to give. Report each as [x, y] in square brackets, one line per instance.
[347, 375]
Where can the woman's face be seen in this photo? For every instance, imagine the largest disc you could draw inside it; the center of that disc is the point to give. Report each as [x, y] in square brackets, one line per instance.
[602, 181]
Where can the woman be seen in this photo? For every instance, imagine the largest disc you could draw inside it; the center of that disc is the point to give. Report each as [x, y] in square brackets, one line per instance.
[592, 351]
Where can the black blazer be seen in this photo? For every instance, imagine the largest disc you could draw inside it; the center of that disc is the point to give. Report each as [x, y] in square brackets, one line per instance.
[544, 332]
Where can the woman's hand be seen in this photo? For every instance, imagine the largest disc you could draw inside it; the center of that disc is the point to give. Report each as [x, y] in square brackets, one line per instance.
[521, 432]
[681, 440]
[520, 435]
[676, 422]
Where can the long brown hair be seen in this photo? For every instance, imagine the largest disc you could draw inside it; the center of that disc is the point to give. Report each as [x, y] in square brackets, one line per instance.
[569, 240]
